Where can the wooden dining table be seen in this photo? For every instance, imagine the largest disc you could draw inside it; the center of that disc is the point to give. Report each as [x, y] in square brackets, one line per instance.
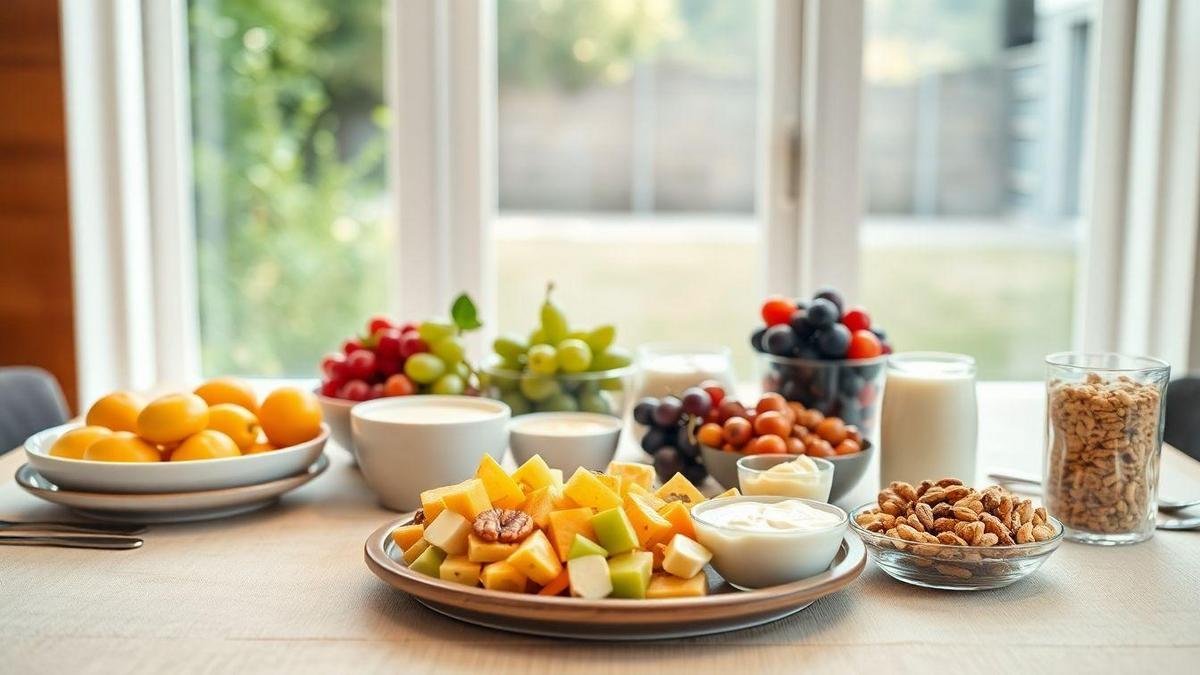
[286, 589]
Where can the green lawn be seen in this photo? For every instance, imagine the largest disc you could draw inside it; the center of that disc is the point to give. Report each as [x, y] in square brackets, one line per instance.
[1007, 307]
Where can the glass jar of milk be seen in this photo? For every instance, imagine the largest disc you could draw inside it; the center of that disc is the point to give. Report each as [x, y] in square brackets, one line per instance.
[930, 418]
[669, 368]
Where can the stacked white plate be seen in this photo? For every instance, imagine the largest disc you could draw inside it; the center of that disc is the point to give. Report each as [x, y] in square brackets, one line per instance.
[163, 492]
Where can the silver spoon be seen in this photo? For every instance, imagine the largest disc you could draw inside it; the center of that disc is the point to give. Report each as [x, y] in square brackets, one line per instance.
[1016, 478]
[109, 543]
[61, 526]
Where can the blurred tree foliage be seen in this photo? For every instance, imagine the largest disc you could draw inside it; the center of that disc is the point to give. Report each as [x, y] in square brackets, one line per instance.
[288, 130]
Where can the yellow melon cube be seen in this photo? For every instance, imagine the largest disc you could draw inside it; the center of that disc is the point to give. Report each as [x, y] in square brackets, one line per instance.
[556, 475]
[431, 501]
[413, 552]
[481, 551]
[468, 499]
[680, 489]
[458, 569]
[632, 473]
[565, 524]
[407, 535]
[646, 495]
[670, 586]
[502, 491]
[538, 504]
[534, 474]
[502, 576]
[613, 482]
[536, 559]
[731, 492]
[586, 489]
[651, 528]
[561, 501]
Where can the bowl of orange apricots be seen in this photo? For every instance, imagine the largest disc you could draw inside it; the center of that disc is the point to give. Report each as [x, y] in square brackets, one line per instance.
[220, 435]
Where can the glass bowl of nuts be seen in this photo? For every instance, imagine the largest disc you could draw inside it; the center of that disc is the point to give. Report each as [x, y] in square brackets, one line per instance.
[942, 534]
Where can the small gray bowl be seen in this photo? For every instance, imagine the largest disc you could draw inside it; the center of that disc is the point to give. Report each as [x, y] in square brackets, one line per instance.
[847, 469]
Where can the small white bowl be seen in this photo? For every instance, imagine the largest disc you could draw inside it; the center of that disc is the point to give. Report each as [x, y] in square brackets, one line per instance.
[751, 560]
[754, 478]
[165, 477]
[400, 458]
[336, 412]
[566, 440]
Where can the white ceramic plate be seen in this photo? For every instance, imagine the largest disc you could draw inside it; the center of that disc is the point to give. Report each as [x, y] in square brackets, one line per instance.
[167, 507]
[167, 477]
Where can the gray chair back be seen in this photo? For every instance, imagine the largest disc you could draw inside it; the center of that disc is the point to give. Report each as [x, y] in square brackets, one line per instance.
[1183, 415]
[30, 400]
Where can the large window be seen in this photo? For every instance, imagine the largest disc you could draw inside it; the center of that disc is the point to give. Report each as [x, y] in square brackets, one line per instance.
[627, 166]
[289, 128]
[973, 118]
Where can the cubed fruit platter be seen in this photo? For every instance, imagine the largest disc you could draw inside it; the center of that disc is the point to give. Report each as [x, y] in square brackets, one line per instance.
[594, 555]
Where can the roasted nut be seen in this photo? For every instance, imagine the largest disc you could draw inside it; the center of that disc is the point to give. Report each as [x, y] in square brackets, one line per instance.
[507, 526]
[418, 517]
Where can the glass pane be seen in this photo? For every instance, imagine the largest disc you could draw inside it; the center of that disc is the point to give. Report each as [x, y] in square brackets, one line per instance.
[973, 114]
[288, 133]
[627, 166]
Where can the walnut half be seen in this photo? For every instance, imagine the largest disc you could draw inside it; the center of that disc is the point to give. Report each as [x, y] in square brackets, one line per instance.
[507, 526]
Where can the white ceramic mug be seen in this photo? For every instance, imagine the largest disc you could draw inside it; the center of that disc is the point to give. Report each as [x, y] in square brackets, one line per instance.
[408, 444]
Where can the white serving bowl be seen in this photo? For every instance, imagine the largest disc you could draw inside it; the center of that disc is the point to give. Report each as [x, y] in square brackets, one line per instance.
[336, 412]
[751, 560]
[400, 459]
[166, 477]
[592, 448]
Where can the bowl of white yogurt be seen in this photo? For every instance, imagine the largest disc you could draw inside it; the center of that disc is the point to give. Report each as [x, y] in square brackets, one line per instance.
[566, 440]
[406, 444]
[786, 476]
[760, 541]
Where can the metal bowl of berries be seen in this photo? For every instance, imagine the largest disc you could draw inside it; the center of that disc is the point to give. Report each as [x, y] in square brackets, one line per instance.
[954, 567]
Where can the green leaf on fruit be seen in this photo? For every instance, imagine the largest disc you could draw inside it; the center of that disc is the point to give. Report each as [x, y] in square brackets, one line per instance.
[463, 311]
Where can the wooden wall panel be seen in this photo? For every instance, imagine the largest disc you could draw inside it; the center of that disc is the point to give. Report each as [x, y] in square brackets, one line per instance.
[36, 309]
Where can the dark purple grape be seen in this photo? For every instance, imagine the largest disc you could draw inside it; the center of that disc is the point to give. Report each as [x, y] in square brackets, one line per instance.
[833, 341]
[643, 412]
[831, 294]
[695, 473]
[654, 439]
[780, 340]
[800, 304]
[880, 333]
[696, 401]
[684, 443]
[756, 340]
[667, 463]
[822, 313]
[666, 414]
[801, 325]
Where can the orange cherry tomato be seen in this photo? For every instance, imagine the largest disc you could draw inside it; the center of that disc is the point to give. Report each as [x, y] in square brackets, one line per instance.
[777, 309]
[711, 435]
[847, 447]
[772, 422]
[832, 429]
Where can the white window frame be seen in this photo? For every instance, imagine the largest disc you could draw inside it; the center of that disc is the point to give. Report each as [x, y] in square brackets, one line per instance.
[125, 64]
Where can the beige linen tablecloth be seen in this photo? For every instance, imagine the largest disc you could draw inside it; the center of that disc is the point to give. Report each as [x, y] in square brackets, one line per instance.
[286, 589]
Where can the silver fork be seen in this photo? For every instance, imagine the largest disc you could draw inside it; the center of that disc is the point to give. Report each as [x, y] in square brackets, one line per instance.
[71, 527]
[1017, 478]
[64, 541]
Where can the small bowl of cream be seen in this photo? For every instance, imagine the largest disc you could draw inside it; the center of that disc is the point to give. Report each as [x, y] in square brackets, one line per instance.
[566, 440]
[760, 541]
[785, 476]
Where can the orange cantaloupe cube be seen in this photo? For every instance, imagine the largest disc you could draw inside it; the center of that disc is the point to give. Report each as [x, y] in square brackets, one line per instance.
[407, 535]
[536, 559]
[681, 519]
[468, 499]
[565, 524]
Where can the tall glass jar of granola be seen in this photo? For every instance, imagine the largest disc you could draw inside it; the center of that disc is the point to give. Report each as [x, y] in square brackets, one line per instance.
[1104, 425]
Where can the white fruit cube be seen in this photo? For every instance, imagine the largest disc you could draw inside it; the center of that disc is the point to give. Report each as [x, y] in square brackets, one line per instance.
[589, 577]
[449, 532]
[684, 557]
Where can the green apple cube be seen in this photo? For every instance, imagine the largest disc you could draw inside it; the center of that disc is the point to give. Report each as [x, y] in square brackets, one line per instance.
[449, 532]
[630, 574]
[589, 577]
[615, 532]
[684, 557]
[582, 546]
[429, 562]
